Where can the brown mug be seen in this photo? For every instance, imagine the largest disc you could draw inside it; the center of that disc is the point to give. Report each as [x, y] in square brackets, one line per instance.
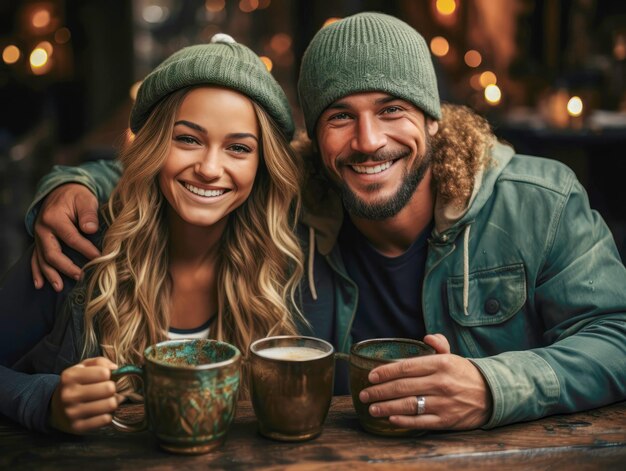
[190, 393]
[369, 354]
[291, 381]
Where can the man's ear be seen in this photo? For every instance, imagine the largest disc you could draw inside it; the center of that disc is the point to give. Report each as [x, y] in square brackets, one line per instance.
[432, 126]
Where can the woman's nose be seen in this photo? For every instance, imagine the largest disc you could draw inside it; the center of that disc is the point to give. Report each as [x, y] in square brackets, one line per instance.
[210, 166]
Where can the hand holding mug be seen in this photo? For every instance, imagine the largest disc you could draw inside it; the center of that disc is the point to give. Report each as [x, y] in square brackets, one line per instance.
[85, 398]
[435, 392]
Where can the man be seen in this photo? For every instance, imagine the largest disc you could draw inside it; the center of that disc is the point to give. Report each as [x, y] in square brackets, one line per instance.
[433, 227]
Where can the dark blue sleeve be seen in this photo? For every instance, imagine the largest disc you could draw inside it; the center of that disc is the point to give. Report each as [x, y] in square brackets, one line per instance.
[26, 314]
[25, 398]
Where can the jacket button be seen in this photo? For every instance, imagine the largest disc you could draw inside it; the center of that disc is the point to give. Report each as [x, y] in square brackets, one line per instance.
[492, 306]
[80, 299]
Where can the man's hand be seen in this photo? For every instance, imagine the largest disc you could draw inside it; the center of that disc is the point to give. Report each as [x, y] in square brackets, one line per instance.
[57, 219]
[85, 398]
[457, 396]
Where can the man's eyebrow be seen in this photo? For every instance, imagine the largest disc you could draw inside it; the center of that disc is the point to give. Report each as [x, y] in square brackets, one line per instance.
[191, 125]
[338, 105]
[387, 99]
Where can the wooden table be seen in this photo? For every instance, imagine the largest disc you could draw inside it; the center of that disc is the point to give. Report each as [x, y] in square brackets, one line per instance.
[587, 440]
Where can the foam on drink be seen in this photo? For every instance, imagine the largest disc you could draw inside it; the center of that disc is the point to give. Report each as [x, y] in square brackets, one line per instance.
[292, 353]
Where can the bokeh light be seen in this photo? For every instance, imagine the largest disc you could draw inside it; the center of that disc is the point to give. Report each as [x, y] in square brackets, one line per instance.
[134, 89]
[46, 46]
[268, 62]
[446, 7]
[155, 14]
[575, 106]
[493, 95]
[280, 43]
[62, 35]
[38, 57]
[330, 21]
[473, 58]
[11, 54]
[248, 6]
[488, 78]
[41, 18]
[475, 82]
[214, 6]
[439, 46]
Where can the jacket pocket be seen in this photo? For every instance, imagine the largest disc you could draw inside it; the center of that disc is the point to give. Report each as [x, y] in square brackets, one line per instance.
[495, 295]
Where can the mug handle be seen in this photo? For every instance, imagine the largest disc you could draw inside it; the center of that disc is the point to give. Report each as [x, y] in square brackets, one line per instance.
[120, 424]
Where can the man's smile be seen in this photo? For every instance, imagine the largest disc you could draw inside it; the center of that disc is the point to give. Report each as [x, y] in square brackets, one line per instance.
[373, 168]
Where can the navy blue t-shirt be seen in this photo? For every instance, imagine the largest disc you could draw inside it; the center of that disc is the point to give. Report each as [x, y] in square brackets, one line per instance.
[390, 288]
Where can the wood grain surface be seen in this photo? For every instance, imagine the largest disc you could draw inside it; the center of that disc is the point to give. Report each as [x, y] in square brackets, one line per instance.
[588, 440]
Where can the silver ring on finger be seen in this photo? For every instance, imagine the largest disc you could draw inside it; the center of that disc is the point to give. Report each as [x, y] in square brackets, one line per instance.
[421, 405]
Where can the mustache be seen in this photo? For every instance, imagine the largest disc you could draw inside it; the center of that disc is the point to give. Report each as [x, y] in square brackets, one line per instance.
[382, 155]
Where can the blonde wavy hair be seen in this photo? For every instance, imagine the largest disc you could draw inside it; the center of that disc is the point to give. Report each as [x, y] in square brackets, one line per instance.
[260, 262]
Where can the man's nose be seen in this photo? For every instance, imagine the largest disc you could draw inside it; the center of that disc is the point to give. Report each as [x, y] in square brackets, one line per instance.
[369, 136]
[210, 166]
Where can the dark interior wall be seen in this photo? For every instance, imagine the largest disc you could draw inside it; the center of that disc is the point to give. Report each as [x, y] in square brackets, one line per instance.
[44, 118]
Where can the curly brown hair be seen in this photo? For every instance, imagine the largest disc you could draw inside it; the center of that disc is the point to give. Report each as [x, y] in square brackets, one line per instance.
[459, 150]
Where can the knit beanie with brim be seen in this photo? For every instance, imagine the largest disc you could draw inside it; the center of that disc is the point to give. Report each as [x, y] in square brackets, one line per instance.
[224, 63]
[362, 53]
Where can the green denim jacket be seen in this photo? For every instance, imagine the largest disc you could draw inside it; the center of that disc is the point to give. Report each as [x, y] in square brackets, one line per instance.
[526, 282]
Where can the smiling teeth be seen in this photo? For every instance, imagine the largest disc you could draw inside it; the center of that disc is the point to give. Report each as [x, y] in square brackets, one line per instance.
[201, 192]
[371, 170]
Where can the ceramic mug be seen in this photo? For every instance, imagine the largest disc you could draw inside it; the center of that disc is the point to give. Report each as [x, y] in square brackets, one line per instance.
[369, 354]
[291, 382]
[190, 393]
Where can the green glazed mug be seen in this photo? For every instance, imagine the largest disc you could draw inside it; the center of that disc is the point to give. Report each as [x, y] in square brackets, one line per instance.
[369, 354]
[190, 393]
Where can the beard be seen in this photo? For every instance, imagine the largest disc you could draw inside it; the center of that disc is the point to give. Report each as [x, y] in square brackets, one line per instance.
[384, 208]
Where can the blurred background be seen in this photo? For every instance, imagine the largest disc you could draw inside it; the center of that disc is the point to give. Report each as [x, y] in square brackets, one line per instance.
[550, 75]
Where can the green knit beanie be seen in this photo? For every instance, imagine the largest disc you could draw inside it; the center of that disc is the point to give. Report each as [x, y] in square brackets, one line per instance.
[366, 52]
[223, 62]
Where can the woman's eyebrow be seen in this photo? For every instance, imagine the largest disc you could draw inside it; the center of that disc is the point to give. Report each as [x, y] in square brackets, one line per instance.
[242, 135]
[191, 125]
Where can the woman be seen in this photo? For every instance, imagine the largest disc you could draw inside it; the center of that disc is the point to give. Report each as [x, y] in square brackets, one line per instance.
[198, 241]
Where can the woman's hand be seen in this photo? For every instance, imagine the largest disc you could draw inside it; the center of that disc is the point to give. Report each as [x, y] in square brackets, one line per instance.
[85, 398]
